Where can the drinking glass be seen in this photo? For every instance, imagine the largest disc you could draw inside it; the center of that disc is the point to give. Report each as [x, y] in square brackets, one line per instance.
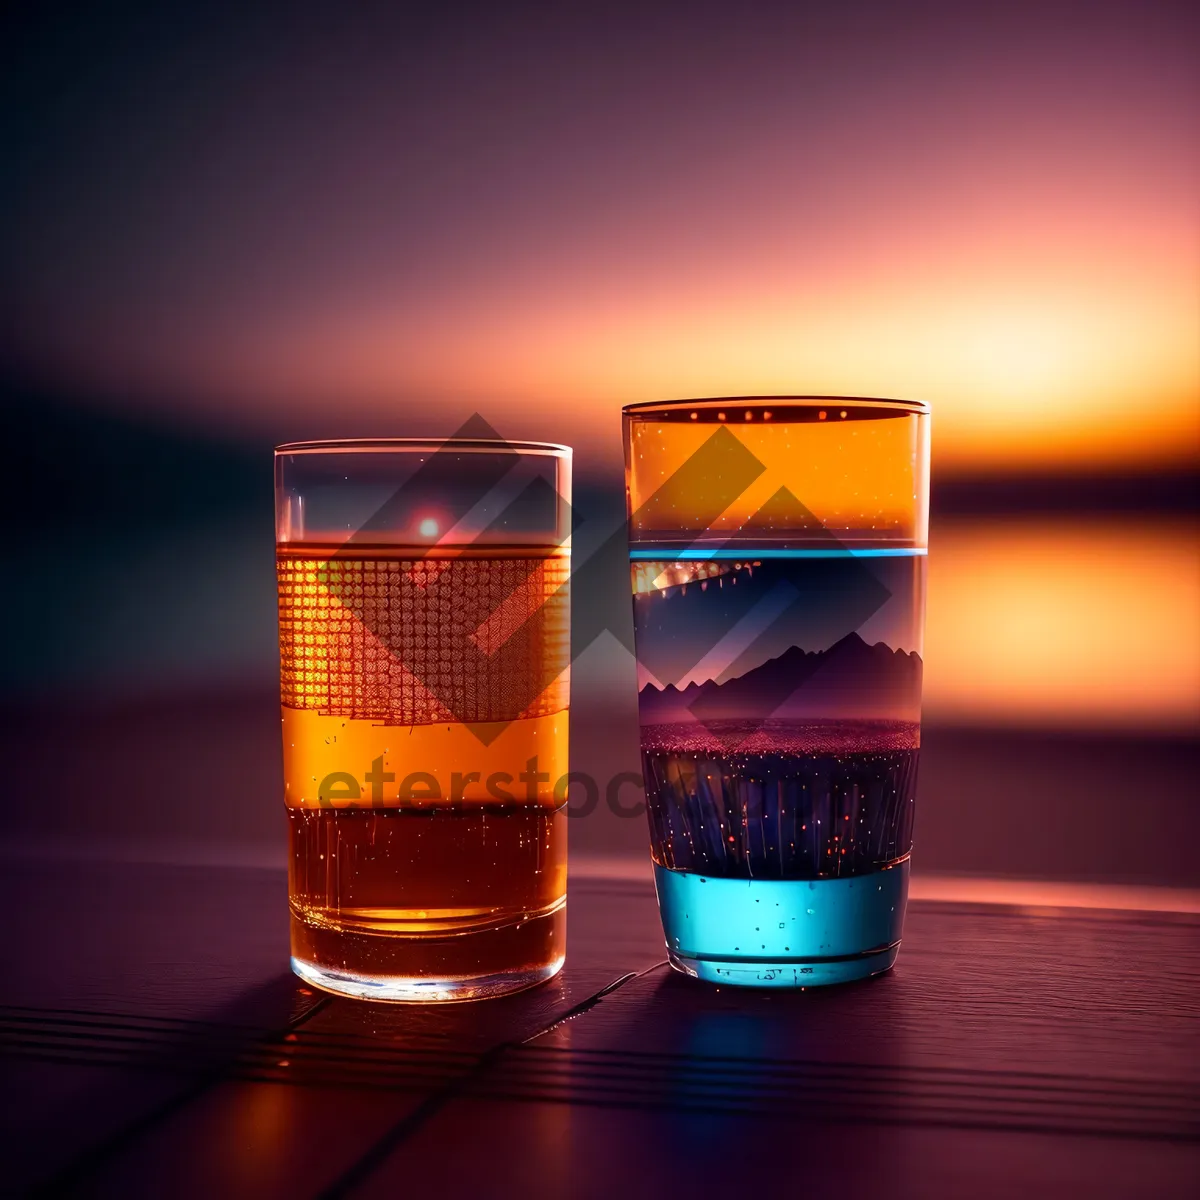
[424, 649]
[777, 555]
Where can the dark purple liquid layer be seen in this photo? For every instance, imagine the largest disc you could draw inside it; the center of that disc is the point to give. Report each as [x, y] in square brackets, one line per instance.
[780, 800]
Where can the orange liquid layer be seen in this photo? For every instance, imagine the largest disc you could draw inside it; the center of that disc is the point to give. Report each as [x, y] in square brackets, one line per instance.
[776, 471]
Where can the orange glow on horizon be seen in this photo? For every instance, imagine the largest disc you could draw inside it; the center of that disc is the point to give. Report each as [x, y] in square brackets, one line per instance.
[992, 212]
[1074, 623]
[1025, 373]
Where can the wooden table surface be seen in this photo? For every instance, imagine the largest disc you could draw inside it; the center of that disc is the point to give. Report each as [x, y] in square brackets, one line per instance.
[155, 1043]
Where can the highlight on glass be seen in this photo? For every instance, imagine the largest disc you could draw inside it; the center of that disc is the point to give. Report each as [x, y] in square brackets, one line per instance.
[777, 556]
[424, 640]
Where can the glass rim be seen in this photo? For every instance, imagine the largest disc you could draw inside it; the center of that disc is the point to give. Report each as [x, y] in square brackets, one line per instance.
[649, 407]
[429, 445]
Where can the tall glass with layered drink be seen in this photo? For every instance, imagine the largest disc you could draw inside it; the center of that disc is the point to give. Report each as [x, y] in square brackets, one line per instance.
[777, 558]
[424, 647]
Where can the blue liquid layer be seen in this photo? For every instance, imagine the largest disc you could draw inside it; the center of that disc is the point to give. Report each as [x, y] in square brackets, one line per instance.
[782, 933]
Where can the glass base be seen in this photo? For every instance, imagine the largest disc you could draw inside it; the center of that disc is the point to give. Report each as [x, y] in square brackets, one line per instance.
[423, 990]
[364, 956]
[782, 933]
[812, 973]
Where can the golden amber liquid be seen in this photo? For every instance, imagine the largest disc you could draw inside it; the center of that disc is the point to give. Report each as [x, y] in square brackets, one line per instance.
[424, 728]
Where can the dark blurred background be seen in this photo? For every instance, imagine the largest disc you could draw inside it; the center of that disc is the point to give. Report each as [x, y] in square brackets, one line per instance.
[223, 229]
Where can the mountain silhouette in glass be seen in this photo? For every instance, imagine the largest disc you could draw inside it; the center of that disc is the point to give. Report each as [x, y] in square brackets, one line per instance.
[850, 680]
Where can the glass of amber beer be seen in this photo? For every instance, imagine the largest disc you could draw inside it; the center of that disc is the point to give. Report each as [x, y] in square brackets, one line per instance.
[424, 645]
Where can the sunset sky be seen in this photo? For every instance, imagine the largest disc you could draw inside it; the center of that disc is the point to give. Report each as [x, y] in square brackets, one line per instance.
[295, 223]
